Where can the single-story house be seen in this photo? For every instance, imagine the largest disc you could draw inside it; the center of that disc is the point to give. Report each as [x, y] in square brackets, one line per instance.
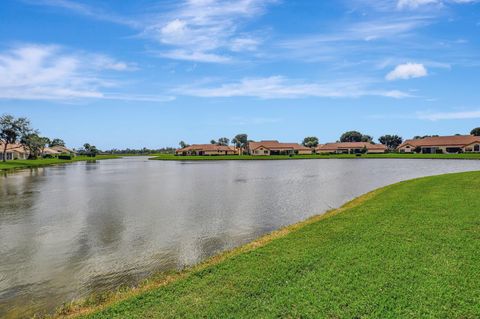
[265, 148]
[14, 151]
[351, 148]
[58, 150]
[206, 149]
[444, 144]
[49, 151]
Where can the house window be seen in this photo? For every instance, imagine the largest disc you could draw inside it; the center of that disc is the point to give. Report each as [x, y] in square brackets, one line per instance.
[476, 148]
[453, 149]
[265, 152]
[9, 156]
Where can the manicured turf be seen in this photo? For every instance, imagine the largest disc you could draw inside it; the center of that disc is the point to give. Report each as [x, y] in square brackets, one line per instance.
[164, 157]
[411, 250]
[19, 164]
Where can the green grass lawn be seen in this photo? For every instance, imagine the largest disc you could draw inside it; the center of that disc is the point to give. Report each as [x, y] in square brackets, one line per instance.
[411, 250]
[19, 164]
[167, 157]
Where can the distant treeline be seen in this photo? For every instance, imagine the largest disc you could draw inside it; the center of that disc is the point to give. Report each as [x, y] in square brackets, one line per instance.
[146, 151]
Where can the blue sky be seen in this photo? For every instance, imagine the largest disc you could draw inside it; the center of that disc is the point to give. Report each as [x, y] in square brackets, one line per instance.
[152, 73]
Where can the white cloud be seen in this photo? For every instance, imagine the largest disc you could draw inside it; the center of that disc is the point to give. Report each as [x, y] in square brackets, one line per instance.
[48, 72]
[194, 56]
[401, 4]
[85, 10]
[413, 4]
[449, 115]
[200, 30]
[279, 87]
[407, 71]
[244, 44]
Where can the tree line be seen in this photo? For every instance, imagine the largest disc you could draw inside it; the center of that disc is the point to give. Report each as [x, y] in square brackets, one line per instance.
[142, 151]
[20, 131]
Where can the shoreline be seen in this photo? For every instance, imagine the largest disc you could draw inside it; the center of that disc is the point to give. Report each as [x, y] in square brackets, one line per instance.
[173, 158]
[81, 307]
[18, 165]
[97, 304]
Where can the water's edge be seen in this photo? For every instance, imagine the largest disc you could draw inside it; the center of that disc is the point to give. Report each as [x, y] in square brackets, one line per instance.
[95, 303]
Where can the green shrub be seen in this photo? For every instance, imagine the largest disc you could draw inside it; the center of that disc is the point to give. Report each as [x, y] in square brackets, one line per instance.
[65, 157]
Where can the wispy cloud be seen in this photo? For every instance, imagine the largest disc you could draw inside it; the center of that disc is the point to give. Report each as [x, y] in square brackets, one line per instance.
[401, 4]
[49, 72]
[407, 71]
[86, 10]
[203, 30]
[279, 87]
[437, 116]
[414, 4]
[369, 38]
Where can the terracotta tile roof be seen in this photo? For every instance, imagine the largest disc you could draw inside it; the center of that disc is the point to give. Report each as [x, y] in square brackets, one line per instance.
[61, 149]
[50, 150]
[277, 146]
[205, 147]
[350, 145]
[14, 148]
[457, 140]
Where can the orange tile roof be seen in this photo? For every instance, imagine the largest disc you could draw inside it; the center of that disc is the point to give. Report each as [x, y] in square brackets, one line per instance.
[350, 145]
[457, 140]
[19, 148]
[61, 149]
[276, 146]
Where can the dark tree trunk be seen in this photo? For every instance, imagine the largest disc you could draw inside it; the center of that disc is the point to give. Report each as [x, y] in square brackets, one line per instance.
[5, 152]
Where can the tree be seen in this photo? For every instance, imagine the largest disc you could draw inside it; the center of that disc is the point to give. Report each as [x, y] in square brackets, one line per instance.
[90, 150]
[351, 136]
[213, 142]
[418, 137]
[183, 144]
[240, 141]
[56, 142]
[367, 138]
[45, 142]
[35, 144]
[475, 132]
[12, 130]
[391, 141]
[310, 141]
[223, 141]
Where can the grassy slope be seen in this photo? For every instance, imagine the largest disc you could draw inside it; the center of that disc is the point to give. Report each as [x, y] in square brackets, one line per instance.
[19, 164]
[282, 157]
[410, 251]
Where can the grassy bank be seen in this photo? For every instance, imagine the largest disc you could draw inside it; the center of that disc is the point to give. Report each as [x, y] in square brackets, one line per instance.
[472, 156]
[410, 250]
[21, 164]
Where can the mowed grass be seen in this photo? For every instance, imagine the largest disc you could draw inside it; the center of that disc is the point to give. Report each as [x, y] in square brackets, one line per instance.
[411, 250]
[19, 164]
[169, 157]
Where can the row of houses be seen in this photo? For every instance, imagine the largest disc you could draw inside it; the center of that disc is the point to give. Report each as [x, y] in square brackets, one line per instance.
[266, 148]
[18, 151]
[443, 144]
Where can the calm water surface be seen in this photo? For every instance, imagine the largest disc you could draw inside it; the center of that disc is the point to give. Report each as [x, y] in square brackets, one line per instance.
[66, 231]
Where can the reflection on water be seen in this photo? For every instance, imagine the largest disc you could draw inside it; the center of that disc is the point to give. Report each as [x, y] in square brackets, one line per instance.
[66, 231]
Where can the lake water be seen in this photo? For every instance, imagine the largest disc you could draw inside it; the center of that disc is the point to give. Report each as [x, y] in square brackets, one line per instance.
[67, 231]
